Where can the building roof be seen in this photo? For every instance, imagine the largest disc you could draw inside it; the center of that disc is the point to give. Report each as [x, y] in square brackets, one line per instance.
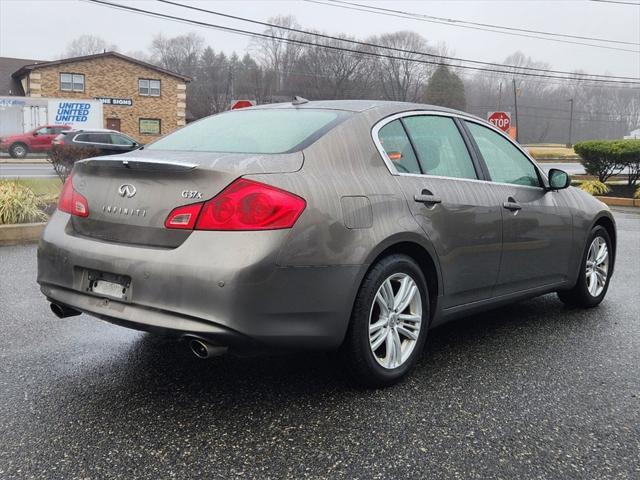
[24, 69]
[10, 85]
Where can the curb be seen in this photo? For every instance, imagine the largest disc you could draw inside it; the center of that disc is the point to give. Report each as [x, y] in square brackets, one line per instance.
[619, 201]
[21, 233]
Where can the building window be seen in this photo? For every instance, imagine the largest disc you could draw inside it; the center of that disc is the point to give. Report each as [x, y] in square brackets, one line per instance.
[72, 82]
[150, 126]
[148, 88]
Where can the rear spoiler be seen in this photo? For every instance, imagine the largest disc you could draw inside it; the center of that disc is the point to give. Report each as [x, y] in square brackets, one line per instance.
[137, 163]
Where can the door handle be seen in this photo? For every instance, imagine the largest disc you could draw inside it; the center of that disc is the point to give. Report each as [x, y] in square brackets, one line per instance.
[512, 205]
[424, 198]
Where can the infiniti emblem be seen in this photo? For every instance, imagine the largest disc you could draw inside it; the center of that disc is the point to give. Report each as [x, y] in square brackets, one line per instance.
[127, 190]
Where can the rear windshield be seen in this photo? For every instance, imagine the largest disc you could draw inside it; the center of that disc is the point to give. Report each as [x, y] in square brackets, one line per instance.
[253, 131]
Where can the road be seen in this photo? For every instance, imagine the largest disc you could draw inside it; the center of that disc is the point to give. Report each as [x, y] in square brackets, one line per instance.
[533, 390]
[15, 170]
[26, 170]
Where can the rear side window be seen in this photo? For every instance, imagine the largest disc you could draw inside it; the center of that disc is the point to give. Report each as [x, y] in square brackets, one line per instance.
[440, 146]
[398, 148]
[505, 162]
[253, 131]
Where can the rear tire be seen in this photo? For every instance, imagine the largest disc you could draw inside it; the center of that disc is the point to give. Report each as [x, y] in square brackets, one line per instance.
[18, 150]
[389, 322]
[596, 263]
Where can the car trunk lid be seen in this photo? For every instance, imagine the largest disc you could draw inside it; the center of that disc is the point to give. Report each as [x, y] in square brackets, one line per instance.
[131, 195]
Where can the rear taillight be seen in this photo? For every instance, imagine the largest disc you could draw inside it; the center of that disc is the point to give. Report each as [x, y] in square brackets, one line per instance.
[71, 201]
[243, 205]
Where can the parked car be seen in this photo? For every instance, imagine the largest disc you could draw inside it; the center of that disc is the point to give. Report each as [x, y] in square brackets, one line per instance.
[350, 225]
[36, 140]
[109, 142]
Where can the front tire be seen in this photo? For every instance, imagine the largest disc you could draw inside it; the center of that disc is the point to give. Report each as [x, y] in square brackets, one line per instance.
[18, 150]
[595, 272]
[389, 322]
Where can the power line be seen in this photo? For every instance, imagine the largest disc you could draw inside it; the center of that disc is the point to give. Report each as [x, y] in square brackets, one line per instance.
[369, 9]
[489, 25]
[336, 48]
[617, 1]
[373, 45]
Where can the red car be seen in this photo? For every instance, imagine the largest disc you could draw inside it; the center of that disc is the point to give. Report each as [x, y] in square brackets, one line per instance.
[37, 140]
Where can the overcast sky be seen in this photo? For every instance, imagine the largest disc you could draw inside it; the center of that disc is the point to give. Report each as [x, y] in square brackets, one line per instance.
[41, 29]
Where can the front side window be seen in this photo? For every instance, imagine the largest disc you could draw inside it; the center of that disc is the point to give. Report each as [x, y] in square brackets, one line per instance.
[149, 88]
[505, 162]
[72, 82]
[397, 147]
[261, 131]
[121, 140]
[440, 147]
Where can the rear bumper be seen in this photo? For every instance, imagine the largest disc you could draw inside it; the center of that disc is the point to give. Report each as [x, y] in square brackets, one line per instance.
[224, 286]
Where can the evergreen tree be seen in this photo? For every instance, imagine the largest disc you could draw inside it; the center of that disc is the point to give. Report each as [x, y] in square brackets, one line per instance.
[445, 89]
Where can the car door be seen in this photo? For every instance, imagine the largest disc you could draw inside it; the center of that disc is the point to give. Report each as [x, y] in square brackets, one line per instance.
[536, 225]
[439, 178]
[42, 139]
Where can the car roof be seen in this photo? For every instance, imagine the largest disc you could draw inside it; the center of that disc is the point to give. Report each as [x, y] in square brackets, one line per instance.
[94, 130]
[359, 106]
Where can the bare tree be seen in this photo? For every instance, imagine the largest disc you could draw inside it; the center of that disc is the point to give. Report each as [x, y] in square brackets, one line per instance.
[88, 45]
[322, 72]
[401, 77]
[276, 53]
[179, 54]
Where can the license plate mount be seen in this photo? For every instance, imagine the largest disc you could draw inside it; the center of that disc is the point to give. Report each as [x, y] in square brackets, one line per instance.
[109, 285]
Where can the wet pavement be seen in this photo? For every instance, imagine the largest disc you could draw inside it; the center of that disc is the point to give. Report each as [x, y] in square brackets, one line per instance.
[533, 390]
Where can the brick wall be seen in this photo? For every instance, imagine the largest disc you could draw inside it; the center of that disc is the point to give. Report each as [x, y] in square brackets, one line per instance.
[118, 78]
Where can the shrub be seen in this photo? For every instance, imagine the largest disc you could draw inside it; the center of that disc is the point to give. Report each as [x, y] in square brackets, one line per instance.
[598, 159]
[594, 187]
[637, 194]
[18, 204]
[63, 158]
[628, 153]
[605, 158]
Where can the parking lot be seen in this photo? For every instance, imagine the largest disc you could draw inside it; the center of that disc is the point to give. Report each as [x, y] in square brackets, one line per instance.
[533, 390]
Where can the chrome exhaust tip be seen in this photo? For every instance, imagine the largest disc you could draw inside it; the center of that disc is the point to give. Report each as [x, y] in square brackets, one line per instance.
[62, 311]
[202, 349]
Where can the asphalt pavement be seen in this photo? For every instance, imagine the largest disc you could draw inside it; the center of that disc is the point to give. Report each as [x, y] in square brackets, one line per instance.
[26, 170]
[533, 390]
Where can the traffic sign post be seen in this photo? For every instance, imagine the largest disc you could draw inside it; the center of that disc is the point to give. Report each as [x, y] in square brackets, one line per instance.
[501, 120]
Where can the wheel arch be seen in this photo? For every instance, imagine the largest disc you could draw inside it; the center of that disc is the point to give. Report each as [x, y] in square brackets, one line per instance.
[414, 246]
[19, 142]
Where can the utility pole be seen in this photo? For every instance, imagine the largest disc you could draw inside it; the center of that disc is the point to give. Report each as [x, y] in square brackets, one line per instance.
[570, 122]
[515, 105]
[500, 96]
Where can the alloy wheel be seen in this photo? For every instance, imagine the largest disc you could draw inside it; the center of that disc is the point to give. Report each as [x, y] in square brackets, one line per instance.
[597, 266]
[395, 320]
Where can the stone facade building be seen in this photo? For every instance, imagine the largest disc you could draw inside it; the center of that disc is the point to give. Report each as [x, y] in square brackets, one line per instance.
[142, 100]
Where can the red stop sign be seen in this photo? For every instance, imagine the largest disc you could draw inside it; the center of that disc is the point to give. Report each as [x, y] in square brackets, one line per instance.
[502, 120]
[242, 104]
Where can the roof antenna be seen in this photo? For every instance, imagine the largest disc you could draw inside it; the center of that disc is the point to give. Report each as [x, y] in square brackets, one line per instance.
[297, 100]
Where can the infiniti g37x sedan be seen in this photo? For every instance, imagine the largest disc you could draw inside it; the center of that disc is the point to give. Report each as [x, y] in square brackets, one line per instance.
[350, 225]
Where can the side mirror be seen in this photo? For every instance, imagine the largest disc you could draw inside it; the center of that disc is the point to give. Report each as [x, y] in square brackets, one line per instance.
[35, 134]
[558, 179]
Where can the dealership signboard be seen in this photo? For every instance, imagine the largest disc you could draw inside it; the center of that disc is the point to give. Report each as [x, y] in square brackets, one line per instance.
[75, 113]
